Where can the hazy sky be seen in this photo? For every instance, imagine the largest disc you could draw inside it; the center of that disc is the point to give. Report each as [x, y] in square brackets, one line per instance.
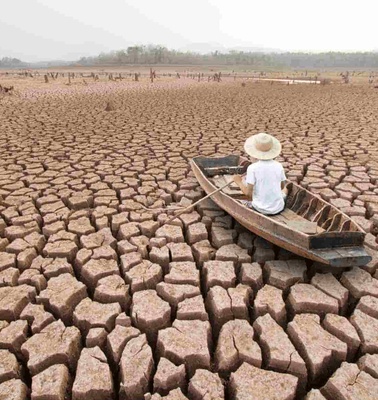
[67, 29]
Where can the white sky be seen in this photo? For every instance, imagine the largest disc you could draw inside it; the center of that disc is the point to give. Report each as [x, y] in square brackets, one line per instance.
[50, 29]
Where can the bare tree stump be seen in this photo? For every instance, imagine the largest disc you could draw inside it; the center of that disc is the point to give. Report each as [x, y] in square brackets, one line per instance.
[109, 106]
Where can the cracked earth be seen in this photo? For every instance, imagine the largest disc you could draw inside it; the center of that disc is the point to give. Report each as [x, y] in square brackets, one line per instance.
[100, 300]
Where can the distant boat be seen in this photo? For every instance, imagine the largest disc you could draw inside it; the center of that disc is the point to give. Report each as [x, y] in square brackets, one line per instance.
[308, 226]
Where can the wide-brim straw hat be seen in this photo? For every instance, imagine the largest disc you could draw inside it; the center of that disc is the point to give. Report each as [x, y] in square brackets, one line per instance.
[262, 146]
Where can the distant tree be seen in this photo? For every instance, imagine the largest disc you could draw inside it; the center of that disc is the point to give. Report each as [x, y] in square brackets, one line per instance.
[159, 54]
[134, 52]
[122, 56]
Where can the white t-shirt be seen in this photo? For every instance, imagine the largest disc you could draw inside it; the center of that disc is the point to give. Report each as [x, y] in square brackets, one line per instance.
[266, 178]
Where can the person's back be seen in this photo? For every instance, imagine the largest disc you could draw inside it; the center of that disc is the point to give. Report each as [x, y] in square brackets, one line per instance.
[266, 177]
[265, 180]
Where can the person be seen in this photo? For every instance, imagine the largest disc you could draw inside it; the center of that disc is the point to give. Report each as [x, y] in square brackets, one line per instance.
[265, 180]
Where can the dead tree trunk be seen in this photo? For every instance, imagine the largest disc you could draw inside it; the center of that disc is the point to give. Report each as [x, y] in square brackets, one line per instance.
[109, 106]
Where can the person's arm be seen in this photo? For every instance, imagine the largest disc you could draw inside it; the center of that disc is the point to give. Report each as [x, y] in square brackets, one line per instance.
[284, 188]
[283, 181]
[246, 188]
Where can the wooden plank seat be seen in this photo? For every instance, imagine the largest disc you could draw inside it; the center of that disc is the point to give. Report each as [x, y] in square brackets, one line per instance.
[233, 190]
[297, 222]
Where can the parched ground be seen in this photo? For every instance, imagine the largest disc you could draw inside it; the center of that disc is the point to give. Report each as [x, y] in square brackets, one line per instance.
[100, 300]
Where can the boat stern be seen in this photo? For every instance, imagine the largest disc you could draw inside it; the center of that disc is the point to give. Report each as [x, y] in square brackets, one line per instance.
[343, 257]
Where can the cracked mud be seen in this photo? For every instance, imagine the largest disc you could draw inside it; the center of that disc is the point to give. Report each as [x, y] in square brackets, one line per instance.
[100, 300]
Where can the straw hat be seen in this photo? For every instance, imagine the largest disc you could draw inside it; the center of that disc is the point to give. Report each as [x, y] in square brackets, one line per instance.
[262, 146]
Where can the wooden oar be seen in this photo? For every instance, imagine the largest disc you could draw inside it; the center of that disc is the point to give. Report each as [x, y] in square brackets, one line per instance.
[197, 202]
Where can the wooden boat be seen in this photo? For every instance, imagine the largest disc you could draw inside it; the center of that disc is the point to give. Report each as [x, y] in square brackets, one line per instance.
[308, 226]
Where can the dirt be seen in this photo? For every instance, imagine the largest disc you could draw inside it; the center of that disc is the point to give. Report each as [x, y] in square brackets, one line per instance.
[169, 376]
[235, 346]
[278, 351]
[52, 383]
[93, 376]
[350, 382]
[100, 299]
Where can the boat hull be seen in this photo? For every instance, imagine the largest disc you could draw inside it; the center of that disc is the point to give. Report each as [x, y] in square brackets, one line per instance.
[340, 257]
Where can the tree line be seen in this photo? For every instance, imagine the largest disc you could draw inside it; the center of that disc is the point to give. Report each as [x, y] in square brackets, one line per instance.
[8, 62]
[154, 54]
[161, 55]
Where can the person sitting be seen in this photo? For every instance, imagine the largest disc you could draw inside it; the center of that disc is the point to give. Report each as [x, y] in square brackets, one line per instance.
[265, 180]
